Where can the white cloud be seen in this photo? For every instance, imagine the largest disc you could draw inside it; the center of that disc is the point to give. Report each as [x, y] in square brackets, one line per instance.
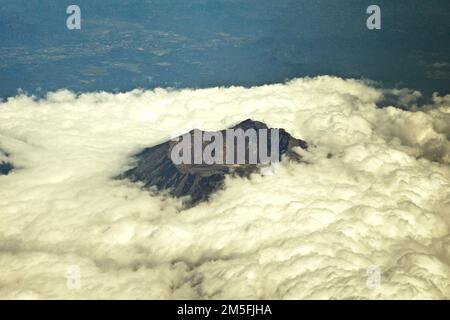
[375, 191]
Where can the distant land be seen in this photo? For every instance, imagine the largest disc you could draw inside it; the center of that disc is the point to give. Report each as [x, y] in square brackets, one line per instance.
[123, 45]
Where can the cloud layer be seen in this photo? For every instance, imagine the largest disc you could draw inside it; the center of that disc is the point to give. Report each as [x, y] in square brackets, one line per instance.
[375, 191]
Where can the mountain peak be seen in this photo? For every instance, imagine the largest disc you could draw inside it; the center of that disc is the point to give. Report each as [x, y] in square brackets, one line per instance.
[197, 178]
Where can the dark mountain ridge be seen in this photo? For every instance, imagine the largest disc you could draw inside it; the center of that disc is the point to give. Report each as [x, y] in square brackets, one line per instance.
[154, 166]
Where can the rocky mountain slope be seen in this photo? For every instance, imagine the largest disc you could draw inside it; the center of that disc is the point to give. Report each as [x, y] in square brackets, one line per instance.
[154, 166]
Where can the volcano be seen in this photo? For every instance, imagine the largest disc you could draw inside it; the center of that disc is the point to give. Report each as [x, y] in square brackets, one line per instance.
[195, 182]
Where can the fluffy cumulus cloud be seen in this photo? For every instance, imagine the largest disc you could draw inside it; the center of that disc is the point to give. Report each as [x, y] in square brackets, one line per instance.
[373, 192]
